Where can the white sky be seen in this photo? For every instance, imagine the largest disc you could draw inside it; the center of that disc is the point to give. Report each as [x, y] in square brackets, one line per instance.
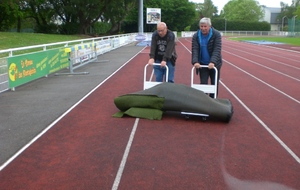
[269, 3]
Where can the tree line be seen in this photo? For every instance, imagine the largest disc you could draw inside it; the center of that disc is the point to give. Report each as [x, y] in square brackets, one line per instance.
[119, 16]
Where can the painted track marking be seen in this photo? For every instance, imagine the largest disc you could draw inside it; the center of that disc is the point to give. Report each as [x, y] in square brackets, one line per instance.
[275, 61]
[264, 125]
[60, 117]
[125, 155]
[290, 97]
[264, 66]
[255, 116]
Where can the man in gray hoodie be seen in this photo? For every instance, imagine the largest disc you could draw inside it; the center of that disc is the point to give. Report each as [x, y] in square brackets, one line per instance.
[163, 51]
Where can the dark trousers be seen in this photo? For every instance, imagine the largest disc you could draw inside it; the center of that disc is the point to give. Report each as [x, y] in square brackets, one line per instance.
[205, 74]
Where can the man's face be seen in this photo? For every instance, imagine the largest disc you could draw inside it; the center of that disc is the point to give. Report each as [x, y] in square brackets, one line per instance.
[204, 28]
[162, 30]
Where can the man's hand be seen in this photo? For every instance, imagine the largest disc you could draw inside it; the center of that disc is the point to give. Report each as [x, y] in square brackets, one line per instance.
[151, 61]
[163, 64]
[211, 65]
[197, 65]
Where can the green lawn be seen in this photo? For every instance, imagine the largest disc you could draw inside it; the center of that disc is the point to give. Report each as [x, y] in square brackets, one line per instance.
[14, 39]
[287, 40]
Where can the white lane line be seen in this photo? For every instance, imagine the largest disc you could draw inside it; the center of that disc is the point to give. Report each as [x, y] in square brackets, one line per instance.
[260, 48]
[263, 57]
[290, 97]
[125, 155]
[263, 66]
[59, 118]
[264, 125]
[257, 118]
[297, 101]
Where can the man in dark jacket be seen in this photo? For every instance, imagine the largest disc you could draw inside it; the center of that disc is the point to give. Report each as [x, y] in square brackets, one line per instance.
[206, 50]
[163, 52]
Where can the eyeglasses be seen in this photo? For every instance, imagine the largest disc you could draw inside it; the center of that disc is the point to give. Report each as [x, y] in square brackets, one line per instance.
[161, 30]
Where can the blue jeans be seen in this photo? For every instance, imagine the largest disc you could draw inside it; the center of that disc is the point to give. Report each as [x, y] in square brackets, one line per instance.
[160, 72]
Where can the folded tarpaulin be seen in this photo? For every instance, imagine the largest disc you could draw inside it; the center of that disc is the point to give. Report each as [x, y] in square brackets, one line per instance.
[152, 102]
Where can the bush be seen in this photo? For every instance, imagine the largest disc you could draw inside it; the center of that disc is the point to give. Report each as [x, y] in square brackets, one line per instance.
[219, 24]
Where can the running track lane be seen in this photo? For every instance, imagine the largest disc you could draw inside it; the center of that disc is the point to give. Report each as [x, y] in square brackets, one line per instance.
[84, 149]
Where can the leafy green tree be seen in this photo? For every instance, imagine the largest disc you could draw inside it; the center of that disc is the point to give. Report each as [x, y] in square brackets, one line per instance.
[286, 10]
[42, 12]
[77, 16]
[9, 13]
[208, 9]
[80, 16]
[244, 10]
[116, 13]
[178, 14]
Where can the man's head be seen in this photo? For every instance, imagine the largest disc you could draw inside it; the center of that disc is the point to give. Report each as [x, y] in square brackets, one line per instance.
[162, 29]
[205, 25]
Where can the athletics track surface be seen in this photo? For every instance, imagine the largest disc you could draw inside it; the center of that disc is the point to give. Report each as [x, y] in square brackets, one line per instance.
[258, 149]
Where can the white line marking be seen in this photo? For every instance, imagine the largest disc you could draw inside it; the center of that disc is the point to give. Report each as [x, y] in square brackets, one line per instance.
[257, 118]
[264, 125]
[264, 66]
[59, 118]
[297, 101]
[260, 47]
[263, 57]
[125, 155]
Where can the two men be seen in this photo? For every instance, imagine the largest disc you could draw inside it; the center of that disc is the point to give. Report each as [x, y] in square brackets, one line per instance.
[206, 50]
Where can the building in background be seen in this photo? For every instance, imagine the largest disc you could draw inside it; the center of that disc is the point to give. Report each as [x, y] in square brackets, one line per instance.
[271, 14]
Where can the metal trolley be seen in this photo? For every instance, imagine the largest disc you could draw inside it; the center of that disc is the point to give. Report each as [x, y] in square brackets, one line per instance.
[149, 83]
[206, 88]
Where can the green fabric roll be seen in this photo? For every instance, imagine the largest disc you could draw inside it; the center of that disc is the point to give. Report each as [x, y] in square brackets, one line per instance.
[141, 106]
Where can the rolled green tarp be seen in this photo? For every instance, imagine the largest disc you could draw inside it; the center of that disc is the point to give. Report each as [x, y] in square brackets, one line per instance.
[151, 103]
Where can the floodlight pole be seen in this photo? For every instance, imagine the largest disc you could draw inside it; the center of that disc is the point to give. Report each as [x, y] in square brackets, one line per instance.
[282, 22]
[225, 25]
[141, 19]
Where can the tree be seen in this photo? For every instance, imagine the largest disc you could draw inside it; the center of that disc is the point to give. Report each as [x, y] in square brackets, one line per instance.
[42, 12]
[288, 12]
[244, 10]
[9, 13]
[178, 14]
[208, 9]
[116, 13]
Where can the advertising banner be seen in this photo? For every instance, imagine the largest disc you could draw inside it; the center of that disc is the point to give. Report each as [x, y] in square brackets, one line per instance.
[153, 15]
[25, 68]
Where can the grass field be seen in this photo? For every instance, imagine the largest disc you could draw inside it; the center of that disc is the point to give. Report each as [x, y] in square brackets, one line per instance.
[287, 40]
[15, 40]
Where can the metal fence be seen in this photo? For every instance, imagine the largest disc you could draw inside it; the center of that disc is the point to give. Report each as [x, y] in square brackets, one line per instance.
[248, 33]
[3, 75]
[104, 44]
[109, 43]
[294, 27]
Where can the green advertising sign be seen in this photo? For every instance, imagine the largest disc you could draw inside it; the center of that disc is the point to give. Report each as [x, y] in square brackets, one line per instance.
[25, 68]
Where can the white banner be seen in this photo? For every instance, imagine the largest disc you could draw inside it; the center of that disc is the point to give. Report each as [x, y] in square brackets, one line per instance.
[153, 15]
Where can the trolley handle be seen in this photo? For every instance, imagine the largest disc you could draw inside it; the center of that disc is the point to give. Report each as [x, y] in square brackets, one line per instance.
[200, 86]
[149, 83]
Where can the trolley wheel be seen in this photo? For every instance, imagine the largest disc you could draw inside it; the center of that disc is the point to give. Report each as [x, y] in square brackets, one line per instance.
[204, 118]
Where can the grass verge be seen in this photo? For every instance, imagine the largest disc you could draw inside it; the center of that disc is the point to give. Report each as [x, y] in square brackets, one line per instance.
[287, 40]
[14, 40]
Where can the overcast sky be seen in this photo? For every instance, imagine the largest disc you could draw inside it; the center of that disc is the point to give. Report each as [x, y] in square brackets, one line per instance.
[269, 3]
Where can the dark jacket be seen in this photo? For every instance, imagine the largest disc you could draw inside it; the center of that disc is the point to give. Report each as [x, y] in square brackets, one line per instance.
[170, 53]
[214, 47]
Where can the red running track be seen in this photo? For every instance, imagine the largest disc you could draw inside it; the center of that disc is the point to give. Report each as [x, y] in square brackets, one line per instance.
[258, 149]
